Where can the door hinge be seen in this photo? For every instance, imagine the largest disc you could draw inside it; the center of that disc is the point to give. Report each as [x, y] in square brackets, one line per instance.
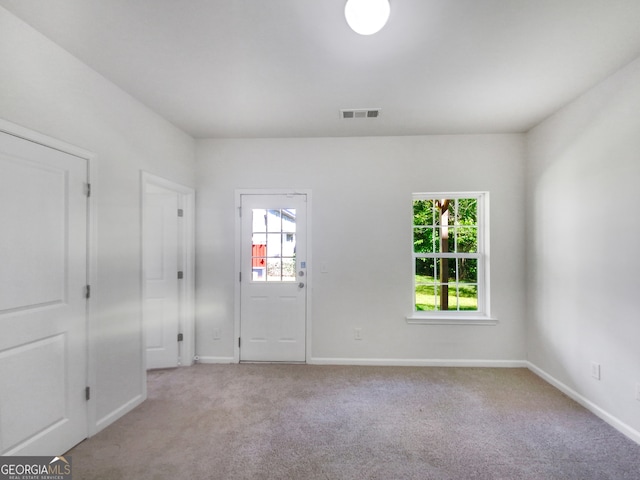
[180, 337]
[180, 275]
[88, 189]
[239, 276]
[240, 211]
[87, 393]
[238, 342]
[87, 293]
[180, 212]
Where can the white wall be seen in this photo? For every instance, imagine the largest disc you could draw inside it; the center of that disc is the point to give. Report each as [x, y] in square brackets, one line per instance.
[583, 184]
[45, 89]
[361, 221]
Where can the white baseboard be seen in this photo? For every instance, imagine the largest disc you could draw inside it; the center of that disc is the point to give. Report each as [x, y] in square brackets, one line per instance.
[616, 423]
[389, 362]
[118, 413]
[205, 359]
[410, 362]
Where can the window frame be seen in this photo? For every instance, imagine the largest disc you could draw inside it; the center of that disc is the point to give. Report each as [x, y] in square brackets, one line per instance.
[481, 316]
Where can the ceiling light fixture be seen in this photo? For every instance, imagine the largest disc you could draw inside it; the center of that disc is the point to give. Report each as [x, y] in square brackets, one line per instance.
[367, 17]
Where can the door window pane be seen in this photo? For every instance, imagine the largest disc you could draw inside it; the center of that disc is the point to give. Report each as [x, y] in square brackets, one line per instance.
[274, 245]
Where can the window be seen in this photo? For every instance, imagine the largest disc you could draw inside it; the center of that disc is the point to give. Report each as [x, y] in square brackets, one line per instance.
[450, 258]
[273, 249]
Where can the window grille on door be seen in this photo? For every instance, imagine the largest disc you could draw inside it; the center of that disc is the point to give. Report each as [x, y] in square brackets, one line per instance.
[273, 252]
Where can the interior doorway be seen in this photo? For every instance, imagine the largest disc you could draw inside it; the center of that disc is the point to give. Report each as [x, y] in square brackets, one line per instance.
[44, 290]
[167, 272]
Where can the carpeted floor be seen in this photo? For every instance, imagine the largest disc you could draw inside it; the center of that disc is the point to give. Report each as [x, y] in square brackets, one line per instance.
[303, 422]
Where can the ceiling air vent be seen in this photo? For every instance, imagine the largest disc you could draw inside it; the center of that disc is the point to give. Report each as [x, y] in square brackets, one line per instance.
[359, 113]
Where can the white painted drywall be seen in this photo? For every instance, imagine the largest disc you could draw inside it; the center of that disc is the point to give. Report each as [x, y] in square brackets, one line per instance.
[583, 191]
[361, 219]
[45, 89]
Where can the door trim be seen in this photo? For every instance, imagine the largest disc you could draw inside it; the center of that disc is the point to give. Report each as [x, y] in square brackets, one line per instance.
[238, 255]
[92, 254]
[186, 201]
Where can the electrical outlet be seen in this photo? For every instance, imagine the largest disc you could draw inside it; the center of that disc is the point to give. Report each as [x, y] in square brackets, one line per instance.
[357, 333]
[216, 334]
[595, 370]
[638, 391]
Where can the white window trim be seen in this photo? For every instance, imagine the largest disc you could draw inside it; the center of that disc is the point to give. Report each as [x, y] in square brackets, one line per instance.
[483, 315]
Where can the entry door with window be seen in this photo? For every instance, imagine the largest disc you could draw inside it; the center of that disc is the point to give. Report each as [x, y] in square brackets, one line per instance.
[43, 306]
[273, 291]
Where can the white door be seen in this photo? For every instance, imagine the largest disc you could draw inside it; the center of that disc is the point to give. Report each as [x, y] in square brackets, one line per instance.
[161, 290]
[43, 277]
[273, 291]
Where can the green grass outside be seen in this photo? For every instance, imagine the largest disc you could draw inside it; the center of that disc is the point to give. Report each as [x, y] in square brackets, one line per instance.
[428, 298]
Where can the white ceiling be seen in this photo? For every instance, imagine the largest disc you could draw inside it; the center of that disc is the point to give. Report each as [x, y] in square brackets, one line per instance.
[284, 68]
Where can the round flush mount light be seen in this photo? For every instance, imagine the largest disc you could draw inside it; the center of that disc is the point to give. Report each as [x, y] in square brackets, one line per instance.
[367, 17]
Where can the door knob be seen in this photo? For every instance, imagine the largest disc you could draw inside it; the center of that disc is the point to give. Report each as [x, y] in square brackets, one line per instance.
[301, 285]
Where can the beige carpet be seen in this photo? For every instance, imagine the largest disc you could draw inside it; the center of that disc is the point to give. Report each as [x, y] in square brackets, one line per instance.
[322, 422]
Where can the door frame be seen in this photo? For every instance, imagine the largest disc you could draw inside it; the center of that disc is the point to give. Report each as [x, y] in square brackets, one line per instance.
[186, 293]
[238, 265]
[92, 254]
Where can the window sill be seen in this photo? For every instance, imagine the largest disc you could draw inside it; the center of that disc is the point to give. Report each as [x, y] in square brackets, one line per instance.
[417, 319]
